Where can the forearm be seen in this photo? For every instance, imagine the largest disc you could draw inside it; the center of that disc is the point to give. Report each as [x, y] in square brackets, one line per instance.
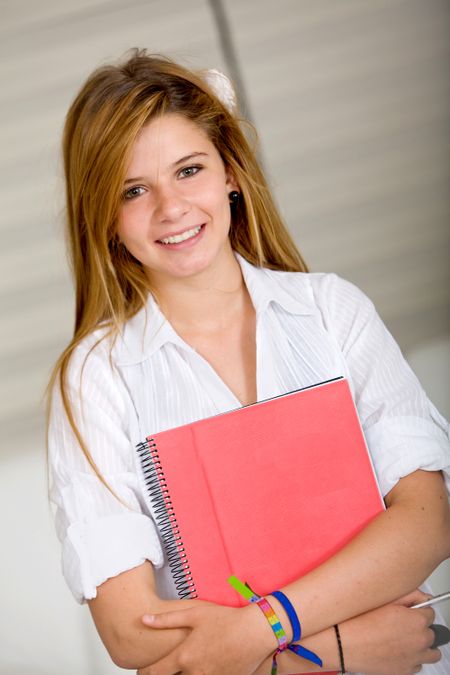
[144, 645]
[392, 556]
[117, 612]
[387, 640]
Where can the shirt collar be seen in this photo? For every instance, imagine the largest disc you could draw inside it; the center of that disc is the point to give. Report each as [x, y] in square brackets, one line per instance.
[144, 334]
[148, 330]
[269, 286]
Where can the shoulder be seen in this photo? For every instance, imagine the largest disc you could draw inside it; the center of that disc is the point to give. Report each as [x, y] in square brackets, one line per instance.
[301, 292]
[327, 292]
[91, 352]
[92, 374]
[338, 297]
[105, 347]
[91, 392]
[335, 304]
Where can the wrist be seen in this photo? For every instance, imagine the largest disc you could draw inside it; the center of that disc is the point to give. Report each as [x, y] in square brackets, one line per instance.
[282, 615]
[323, 643]
[258, 629]
[274, 621]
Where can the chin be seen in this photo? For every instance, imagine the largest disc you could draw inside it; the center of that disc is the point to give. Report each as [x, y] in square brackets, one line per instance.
[185, 265]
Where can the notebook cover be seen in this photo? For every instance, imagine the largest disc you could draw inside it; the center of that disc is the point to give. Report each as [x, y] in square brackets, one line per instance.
[266, 492]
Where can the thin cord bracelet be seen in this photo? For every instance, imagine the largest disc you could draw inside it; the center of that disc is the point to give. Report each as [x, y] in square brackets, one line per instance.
[341, 651]
[290, 611]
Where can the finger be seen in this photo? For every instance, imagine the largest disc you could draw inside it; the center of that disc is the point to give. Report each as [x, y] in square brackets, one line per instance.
[429, 614]
[413, 598]
[431, 656]
[430, 638]
[180, 619]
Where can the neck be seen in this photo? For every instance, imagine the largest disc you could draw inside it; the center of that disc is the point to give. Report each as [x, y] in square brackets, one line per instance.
[206, 302]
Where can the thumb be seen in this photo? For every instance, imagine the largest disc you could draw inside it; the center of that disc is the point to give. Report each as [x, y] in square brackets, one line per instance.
[179, 619]
[413, 598]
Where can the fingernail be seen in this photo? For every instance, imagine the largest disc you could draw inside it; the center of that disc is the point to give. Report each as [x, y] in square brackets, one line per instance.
[148, 618]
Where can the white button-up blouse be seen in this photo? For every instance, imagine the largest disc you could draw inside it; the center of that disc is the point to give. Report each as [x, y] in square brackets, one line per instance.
[310, 328]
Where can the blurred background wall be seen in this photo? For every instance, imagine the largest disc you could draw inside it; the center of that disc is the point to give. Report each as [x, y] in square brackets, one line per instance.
[351, 100]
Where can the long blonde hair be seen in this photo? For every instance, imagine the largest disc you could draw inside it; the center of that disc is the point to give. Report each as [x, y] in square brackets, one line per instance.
[101, 128]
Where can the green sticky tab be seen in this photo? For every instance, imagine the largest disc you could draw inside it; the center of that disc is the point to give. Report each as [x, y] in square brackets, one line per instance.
[241, 588]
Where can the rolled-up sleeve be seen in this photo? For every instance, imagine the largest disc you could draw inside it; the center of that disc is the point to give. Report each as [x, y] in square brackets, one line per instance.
[102, 528]
[403, 429]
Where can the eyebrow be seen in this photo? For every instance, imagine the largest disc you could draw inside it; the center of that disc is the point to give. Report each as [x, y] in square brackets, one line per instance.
[182, 160]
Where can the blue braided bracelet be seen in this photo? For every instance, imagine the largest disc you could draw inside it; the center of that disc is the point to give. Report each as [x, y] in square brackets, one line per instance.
[290, 611]
[296, 629]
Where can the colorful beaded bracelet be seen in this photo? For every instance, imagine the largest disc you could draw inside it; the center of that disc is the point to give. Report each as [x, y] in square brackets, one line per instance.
[267, 609]
[275, 623]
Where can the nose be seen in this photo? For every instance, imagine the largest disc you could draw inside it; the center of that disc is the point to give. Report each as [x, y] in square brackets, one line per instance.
[171, 204]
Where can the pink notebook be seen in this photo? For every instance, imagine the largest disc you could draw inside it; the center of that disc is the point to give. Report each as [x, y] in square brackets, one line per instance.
[266, 492]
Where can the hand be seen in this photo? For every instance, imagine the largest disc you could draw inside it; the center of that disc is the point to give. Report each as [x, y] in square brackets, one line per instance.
[391, 640]
[221, 641]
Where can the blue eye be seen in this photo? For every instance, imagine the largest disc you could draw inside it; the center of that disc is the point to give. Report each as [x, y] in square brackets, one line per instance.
[189, 171]
[133, 192]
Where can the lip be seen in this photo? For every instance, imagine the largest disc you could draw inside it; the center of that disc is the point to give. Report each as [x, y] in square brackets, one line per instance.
[178, 232]
[182, 244]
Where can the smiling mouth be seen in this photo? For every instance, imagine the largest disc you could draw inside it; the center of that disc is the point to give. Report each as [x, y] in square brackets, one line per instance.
[178, 238]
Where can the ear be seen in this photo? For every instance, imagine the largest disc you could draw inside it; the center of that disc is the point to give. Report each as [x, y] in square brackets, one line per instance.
[231, 182]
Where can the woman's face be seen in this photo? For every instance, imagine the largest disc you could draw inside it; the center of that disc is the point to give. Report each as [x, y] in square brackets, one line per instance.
[175, 212]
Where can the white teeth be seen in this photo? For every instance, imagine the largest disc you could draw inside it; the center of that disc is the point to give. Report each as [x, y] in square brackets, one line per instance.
[181, 237]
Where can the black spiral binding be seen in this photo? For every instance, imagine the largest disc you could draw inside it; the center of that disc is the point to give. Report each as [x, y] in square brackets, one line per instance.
[165, 519]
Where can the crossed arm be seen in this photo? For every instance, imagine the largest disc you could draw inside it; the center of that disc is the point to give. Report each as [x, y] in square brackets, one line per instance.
[390, 558]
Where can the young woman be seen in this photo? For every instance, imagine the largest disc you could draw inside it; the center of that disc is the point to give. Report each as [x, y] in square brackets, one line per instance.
[191, 299]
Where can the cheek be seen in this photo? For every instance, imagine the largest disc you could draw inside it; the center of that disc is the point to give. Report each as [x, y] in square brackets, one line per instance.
[122, 230]
[129, 222]
[215, 198]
